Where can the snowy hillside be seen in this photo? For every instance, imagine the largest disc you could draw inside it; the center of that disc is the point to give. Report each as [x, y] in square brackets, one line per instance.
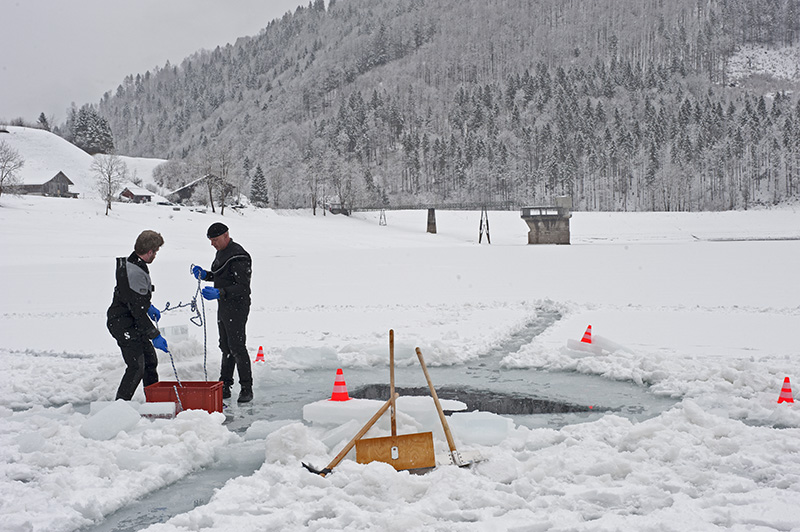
[141, 168]
[781, 63]
[45, 154]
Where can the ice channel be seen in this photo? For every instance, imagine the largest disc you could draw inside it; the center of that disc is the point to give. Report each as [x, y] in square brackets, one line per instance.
[531, 398]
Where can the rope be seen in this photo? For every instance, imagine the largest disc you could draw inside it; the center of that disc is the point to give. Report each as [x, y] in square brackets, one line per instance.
[178, 397]
[175, 371]
[172, 361]
[205, 338]
[198, 319]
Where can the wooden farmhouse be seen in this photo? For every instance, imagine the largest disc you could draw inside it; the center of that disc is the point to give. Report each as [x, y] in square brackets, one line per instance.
[136, 194]
[185, 192]
[58, 185]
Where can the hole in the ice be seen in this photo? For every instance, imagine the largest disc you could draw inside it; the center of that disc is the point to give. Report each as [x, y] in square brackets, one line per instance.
[483, 400]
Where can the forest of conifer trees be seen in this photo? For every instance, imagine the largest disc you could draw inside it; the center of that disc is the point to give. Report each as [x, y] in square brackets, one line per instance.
[624, 105]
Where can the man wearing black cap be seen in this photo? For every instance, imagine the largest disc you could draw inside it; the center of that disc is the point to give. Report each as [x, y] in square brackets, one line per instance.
[230, 273]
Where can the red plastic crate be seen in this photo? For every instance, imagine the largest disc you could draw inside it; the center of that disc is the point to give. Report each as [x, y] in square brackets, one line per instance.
[198, 395]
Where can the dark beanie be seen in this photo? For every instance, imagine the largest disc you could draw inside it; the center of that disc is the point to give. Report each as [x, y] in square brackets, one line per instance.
[216, 230]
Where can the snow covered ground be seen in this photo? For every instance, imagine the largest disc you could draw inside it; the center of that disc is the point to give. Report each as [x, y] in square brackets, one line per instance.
[782, 63]
[706, 306]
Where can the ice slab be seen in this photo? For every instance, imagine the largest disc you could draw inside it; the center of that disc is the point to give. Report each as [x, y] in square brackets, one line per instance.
[262, 428]
[599, 346]
[175, 333]
[582, 349]
[97, 406]
[414, 414]
[117, 417]
[361, 410]
[163, 410]
[480, 428]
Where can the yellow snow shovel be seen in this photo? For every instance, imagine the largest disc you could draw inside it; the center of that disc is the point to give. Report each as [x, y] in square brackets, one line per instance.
[339, 457]
[405, 451]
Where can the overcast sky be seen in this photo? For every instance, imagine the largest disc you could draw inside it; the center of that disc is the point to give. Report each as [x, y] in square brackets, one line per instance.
[55, 52]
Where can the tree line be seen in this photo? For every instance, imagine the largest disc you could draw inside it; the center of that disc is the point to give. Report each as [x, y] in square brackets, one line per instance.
[624, 105]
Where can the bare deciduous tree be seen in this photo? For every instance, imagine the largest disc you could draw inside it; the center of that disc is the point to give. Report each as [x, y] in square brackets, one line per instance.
[110, 171]
[10, 163]
[204, 166]
[314, 160]
[173, 174]
[224, 185]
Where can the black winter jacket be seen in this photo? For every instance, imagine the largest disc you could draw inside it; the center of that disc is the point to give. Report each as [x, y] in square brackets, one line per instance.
[128, 310]
[230, 272]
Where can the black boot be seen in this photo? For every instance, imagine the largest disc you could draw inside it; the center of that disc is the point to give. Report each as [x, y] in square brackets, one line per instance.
[246, 395]
[226, 391]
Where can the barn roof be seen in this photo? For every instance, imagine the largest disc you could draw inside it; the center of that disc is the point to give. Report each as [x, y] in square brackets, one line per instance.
[137, 190]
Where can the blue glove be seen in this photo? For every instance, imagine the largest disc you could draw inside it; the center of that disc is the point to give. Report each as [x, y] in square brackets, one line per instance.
[159, 342]
[210, 292]
[154, 313]
[199, 273]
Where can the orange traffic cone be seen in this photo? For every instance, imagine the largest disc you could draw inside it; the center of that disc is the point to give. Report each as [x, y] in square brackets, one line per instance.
[587, 336]
[786, 392]
[339, 388]
[260, 355]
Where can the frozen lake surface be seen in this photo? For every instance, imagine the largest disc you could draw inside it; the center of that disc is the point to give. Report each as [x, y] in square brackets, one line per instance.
[554, 400]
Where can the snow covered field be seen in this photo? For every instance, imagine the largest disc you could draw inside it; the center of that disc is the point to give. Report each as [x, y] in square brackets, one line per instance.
[707, 306]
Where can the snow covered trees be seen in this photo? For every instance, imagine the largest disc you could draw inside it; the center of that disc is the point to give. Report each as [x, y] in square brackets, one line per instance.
[258, 189]
[173, 174]
[91, 132]
[43, 122]
[619, 105]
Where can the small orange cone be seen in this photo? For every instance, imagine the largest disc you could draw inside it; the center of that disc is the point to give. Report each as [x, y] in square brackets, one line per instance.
[339, 388]
[786, 392]
[260, 355]
[587, 336]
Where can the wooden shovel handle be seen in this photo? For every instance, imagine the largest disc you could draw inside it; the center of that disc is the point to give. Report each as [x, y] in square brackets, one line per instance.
[445, 426]
[391, 383]
[364, 430]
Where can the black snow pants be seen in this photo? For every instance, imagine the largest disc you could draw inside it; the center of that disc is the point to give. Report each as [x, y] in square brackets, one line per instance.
[231, 320]
[140, 360]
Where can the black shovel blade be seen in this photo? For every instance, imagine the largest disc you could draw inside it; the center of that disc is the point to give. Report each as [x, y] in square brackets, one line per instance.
[316, 471]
